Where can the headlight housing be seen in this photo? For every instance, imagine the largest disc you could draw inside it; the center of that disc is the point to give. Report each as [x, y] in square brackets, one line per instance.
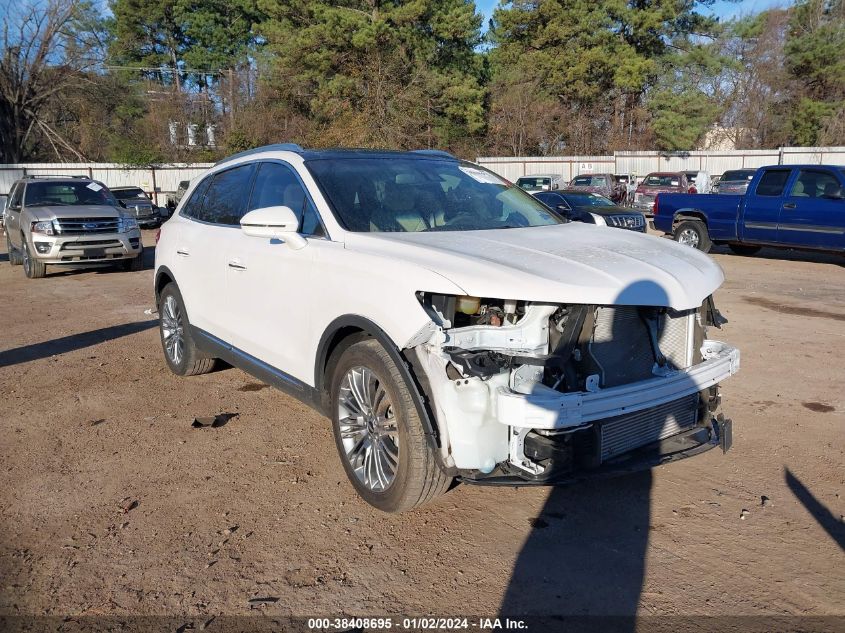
[43, 228]
[126, 224]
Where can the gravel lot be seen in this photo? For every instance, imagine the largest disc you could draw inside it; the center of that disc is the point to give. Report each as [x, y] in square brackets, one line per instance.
[112, 503]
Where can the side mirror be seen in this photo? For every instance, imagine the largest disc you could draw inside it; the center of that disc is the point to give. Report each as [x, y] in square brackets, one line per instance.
[121, 203]
[564, 210]
[836, 195]
[274, 222]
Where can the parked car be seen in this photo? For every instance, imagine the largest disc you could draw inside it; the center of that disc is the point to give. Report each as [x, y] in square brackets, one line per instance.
[591, 208]
[655, 183]
[60, 220]
[602, 184]
[174, 199]
[451, 325]
[734, 181]
[3, 199]
[540, 182]
[136, 201]
[787, 206]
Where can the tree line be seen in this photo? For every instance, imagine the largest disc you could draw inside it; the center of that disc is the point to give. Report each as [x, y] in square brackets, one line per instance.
[542, 77]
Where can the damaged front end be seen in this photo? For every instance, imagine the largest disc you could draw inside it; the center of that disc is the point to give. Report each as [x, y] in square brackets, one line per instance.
[527, 392]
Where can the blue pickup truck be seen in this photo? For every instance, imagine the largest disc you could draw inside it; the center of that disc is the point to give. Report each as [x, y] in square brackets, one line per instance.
[785, 206]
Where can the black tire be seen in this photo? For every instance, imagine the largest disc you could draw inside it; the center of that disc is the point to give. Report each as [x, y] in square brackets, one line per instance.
[190, 361]
[33, 268]
[693, 233]
[418, 477]
[136, 263]
[744, 249]
[15, 257]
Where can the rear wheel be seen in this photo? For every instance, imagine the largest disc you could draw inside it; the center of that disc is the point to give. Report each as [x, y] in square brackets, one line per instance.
[693, 233]
[32, 267]
[180, 351]
[744, 249]
[15, 258]
[378, 433]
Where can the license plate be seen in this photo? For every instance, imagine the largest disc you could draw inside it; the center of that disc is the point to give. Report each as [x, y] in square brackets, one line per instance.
[95, 252]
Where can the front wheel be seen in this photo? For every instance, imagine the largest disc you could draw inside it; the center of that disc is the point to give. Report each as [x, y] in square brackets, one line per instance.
[15, 258]
[134, 264]
[379, 434]
[32, 267]
[693, 233]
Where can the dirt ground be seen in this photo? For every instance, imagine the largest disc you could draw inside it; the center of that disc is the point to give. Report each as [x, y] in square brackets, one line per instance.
[112, 504]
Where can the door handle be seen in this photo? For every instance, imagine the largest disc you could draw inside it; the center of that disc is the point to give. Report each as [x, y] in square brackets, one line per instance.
[182, 253]
[236, 265]
[789, 205]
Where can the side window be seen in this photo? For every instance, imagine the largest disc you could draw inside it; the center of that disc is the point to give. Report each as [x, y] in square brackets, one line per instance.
[226, 198]
[814, 184]
[772, 182]
[15, 197]
[277, 185]
[193, 207]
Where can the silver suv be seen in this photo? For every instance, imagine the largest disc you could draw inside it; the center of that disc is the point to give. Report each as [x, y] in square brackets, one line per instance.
[62, 220]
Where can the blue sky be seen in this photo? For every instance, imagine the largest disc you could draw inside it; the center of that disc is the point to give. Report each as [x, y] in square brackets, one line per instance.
[725, 10]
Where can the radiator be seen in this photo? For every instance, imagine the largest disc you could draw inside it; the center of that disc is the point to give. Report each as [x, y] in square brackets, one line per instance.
[632, 430]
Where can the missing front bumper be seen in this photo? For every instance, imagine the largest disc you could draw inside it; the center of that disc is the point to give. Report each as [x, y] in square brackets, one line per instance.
[688, 443]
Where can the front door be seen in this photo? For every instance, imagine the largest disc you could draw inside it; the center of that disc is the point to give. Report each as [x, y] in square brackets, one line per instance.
[813, 214]
[271, 285]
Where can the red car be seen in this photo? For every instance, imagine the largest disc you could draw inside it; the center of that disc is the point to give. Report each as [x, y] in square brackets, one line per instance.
[602, 184]
[659, 182]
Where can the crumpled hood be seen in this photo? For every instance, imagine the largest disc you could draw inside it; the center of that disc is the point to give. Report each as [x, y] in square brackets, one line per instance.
[46, 212]
[568, 263]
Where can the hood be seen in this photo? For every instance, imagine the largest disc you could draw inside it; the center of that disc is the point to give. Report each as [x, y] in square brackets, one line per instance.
[566, 263]
[48, 212]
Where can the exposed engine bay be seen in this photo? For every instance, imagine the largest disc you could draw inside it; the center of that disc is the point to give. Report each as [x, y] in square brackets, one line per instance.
[539, 390]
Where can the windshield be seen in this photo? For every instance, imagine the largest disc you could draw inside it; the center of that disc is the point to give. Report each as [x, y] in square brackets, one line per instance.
[587, 200]
[72, 193]
[740, 174]
[411, 194]
[126, 194]
[533, 184]
[662, 180]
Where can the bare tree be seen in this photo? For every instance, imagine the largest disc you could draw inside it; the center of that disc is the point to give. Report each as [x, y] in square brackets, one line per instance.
[44, 52]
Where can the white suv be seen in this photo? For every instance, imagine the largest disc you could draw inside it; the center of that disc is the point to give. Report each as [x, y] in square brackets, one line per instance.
[451, 325]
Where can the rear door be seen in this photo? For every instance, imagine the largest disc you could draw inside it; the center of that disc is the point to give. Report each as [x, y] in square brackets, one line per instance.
[812, 215]
[762, 206]
[202, 244]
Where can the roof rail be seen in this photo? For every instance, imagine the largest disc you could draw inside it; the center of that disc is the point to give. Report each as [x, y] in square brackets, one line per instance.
[277, 147]
[56, 176]
[434, 152]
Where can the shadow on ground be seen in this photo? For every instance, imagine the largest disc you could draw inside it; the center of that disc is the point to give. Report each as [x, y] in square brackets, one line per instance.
[585, 555]
[71, 343]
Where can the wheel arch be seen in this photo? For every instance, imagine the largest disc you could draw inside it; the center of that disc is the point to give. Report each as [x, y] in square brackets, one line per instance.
[346, 330]
[163, 277]
[689, 214]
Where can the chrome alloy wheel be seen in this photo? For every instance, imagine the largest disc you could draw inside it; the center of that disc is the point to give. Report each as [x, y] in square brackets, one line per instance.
[368, 428]
[172, 325]
[689, 237]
